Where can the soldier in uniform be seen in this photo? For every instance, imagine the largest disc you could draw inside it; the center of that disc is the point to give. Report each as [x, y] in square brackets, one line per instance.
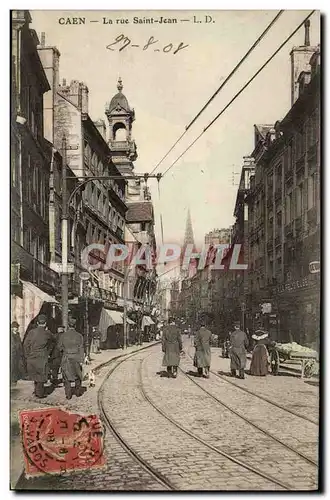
[55, 357]
[203, 350]
[37, 345]
[239, 343]
[71, 344]
[171, 347]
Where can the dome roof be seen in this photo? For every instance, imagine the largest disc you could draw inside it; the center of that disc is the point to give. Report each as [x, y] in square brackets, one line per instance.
[119, 99]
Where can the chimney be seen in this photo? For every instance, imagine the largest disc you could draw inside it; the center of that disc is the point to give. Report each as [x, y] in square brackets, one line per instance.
[300, 57]
[84, 98]
[307, 26]
[50, 59]
[64, 82]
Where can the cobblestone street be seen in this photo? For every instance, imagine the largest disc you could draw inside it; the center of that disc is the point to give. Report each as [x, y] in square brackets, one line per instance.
[193, 433]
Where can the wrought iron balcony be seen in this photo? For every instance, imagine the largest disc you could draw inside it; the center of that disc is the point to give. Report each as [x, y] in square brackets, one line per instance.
[31, 269]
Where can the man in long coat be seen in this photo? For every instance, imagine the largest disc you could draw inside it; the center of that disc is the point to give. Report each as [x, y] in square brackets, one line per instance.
[17, 365]
[203, 350]
[171, 347]
[55, 356]
[37, 345]
[71, 344]
[239, 343]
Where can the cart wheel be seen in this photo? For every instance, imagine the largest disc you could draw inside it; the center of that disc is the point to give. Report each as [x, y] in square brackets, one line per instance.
[274, 362]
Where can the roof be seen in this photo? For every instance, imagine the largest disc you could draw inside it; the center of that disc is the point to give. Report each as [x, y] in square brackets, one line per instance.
[140, 211]
[119, 99]
[263, 129]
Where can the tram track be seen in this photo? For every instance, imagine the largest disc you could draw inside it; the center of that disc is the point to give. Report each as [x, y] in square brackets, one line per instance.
[158, 477]
[240, 463]
[136, 455]
[268, 434]
[259, 396]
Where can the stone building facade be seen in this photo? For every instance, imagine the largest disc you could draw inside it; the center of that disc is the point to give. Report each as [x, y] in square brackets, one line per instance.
[285, 200]
[33, 282]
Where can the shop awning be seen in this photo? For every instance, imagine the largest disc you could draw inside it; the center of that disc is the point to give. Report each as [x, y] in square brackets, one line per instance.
[112, 317]
[147, 321]
[38, 293]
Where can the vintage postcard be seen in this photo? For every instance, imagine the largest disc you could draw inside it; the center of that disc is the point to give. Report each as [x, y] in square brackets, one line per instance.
[165, 250]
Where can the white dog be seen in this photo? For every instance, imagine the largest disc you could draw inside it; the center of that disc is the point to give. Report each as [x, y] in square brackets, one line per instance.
[91, 378]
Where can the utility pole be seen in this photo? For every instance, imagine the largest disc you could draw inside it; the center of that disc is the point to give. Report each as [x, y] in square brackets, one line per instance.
[125, 305]
[65, 243]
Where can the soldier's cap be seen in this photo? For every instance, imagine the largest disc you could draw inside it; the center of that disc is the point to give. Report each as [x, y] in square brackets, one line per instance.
[42, 319]
[61, 326]
[72, 321]
[15, 324]
[237, 323]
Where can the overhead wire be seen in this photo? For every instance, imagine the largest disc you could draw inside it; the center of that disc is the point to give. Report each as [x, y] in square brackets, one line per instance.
[231, 74]
[238, 93]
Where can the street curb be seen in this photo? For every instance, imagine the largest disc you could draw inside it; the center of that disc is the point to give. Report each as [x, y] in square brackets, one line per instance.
[97, 367]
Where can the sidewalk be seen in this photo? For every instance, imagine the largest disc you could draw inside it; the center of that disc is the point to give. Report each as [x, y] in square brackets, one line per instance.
[21, 398]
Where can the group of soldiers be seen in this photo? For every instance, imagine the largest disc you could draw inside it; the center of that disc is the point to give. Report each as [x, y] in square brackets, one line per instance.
[172, 349]
[42, 354]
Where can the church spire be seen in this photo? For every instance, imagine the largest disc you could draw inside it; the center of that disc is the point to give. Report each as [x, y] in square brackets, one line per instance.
[189, 234]
[120, 84]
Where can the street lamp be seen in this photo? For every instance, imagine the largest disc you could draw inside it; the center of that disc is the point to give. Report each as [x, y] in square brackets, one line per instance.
[66, 200]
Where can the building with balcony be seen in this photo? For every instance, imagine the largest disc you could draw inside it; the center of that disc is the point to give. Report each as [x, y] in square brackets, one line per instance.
[33, 282]
[285, 192]
[97, 212]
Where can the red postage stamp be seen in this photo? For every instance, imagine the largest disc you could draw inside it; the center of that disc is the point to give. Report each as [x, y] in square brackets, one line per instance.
[56, 441]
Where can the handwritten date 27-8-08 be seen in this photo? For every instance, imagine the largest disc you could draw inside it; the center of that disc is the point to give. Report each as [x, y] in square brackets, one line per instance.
[123, 41]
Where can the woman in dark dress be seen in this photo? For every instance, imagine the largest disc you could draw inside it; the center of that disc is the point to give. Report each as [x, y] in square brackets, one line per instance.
[259, 361]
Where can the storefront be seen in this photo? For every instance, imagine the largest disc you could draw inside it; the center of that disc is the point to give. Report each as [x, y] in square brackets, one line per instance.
[30, 303]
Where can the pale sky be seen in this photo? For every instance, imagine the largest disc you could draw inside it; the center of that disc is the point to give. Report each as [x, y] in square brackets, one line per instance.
[168, 90]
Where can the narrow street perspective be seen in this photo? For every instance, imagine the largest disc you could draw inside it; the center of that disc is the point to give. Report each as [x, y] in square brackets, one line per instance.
[196, 433]
[165, 251]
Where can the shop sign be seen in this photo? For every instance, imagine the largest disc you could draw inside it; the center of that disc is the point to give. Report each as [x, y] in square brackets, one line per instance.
[291, 286]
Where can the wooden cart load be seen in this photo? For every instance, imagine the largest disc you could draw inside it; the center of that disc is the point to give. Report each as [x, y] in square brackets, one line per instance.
[294, 351]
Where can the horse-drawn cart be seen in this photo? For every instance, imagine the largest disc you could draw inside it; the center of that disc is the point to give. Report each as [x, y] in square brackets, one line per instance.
[282, 353]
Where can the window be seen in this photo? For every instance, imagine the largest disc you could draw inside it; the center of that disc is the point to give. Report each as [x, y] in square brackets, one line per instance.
[279, 219]
[278, 176]
[299, 200]
[15, 227]
[288, 208]
[270, 227]
[41, 250]
[299, 145]
[99, 201]
[311, 193]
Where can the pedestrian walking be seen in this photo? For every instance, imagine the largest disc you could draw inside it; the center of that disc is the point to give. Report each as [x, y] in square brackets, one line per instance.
[71, 344]
[55, 357]
[17, 364]
[239, 343]
[203, 350]
[171, 347]
[260, 356]
[36, 346]
[95, 340]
